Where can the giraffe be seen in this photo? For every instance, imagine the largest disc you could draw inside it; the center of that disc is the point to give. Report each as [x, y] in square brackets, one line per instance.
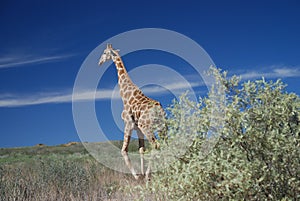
[140, 112]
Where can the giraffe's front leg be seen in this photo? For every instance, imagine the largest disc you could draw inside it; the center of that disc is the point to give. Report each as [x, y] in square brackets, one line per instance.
[127, 135]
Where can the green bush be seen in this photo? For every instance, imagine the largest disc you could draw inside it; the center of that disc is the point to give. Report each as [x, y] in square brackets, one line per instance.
[256, 155]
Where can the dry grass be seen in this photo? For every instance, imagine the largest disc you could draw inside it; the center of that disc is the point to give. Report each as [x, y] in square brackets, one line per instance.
[26, 174]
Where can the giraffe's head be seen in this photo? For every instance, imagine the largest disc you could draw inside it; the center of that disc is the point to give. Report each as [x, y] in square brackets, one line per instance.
[108, 53]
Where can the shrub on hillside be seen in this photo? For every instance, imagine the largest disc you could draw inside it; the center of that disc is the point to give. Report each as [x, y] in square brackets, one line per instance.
[256, 155]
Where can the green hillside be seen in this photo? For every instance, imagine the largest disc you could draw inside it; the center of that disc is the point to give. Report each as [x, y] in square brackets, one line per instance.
[22, 154]
[62, 172]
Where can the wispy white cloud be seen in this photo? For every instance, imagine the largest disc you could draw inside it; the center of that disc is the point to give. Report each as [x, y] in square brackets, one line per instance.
[67, 96]
[273, 72]
[179, 87]
[9, 61]
[15, 100]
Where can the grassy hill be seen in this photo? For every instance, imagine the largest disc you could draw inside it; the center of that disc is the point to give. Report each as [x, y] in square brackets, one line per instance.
[22, 154]
[62, 172]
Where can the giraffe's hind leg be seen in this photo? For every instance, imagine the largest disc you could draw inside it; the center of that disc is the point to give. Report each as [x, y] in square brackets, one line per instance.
[141, 149]
[146, 130]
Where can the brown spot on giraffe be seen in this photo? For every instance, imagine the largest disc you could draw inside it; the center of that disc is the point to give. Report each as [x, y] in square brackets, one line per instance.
[121, 72]
[122, 76]
[136, 92]
[131, 100]
[126, 95]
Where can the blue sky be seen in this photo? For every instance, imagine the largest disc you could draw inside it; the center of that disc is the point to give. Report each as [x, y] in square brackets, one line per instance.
[44, 43]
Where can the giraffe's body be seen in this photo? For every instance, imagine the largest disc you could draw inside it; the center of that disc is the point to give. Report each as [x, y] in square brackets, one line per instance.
[140, 112]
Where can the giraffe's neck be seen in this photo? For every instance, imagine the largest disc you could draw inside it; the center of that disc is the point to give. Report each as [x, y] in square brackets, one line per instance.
[124, 81]
[123, 77]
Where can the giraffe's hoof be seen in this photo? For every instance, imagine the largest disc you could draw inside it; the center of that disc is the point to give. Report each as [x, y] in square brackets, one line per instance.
[142, 177]
[139, 177]
[147, 178]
